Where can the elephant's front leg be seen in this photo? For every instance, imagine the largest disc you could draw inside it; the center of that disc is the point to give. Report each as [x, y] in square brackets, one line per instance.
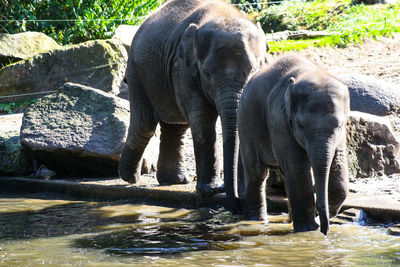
[298, 182]
[256, 205]
[202, 120]
[170, 159]
[338, 180]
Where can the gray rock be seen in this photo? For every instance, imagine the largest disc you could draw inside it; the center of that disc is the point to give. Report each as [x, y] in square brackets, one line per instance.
[77, 131]
[13, 158]
[100, 64]
[373, 148]
[394, 230]
[371, 95]
[80, 131]
[15, 47]
[125, 34]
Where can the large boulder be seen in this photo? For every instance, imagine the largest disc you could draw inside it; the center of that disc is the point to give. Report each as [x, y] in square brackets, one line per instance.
[372, 95]
[16, 47]
[77, 131]
[125, 34]
[100, 64]
[13, 158]
[373, 148]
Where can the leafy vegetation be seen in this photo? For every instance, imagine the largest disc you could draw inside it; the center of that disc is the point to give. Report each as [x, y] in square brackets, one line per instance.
[349, 23]
[13, 107]
[72, 21]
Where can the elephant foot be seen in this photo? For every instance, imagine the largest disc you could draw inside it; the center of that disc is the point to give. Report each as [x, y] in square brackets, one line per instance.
[171, 177]
[128, 174]
[256, 215]
[305, 227]
[127, 169]
[209, 189]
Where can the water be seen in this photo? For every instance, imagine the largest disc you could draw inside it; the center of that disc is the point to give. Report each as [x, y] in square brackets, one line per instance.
[44, 229]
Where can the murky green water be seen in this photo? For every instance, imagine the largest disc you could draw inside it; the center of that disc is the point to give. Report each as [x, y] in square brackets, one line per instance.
[48, 229]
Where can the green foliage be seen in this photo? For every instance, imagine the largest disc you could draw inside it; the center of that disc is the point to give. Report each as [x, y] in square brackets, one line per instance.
[349, 23]
[72, 21]
[13, 107]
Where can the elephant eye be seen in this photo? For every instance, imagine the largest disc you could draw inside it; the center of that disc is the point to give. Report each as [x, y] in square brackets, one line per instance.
[300, 123]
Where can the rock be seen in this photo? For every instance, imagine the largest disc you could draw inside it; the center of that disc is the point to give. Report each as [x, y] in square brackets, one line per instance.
[77, 131]
[44, 173]
[373, 149]
[13, 158]
[371, 95]
[15, 47]
[100, 64]
[125, 34]
[394, 230]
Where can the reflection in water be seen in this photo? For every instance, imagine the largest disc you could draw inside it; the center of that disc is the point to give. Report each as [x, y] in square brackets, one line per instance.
[46, 229]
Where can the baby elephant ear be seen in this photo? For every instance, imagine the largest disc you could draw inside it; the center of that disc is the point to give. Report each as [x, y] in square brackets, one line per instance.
[187, 49]
[288, 96]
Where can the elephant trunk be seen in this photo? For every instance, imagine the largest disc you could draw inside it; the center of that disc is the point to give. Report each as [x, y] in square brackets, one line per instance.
[227, 104]
[321, 154]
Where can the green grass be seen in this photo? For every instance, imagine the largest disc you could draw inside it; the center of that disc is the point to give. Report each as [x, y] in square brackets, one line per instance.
[349, 23]
[13, 107]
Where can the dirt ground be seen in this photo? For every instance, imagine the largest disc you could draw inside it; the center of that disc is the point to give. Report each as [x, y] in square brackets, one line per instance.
[380, 59]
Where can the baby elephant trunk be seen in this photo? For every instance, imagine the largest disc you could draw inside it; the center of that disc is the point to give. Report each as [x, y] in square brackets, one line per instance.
[321, 155]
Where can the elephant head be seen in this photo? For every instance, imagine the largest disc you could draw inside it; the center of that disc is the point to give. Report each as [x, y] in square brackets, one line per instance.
[220, 57]
[317, 108]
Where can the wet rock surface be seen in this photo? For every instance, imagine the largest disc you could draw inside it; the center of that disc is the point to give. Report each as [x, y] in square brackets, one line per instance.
[100, 64]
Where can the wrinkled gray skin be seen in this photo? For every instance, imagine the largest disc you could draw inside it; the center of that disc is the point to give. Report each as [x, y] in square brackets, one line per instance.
[188, 64]
[293, 115]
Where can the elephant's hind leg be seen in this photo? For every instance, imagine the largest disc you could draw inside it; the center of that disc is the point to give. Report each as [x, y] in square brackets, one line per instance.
[141, 129]
[170, 159]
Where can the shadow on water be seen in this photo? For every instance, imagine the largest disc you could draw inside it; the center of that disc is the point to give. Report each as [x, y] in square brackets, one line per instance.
[194, 232]
[64, 216]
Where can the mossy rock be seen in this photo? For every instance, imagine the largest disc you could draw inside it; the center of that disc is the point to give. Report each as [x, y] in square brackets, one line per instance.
[16, 47]
[100, 64]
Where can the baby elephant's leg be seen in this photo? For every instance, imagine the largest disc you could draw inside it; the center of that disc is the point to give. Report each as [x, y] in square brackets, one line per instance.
[170, 160]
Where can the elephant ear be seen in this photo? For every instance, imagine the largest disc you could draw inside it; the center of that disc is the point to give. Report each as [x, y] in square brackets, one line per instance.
[187, 49]
[288, 99]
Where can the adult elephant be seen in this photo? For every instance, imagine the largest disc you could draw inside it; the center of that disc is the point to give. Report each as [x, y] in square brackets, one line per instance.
[293, 115]
[188, 63]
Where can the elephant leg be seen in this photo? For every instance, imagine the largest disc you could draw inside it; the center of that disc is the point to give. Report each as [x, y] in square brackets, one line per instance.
[141, 129]
[256, 203]
[170, 159]
[299, 187]
[252, 188]
[338, 181]
[202, 125]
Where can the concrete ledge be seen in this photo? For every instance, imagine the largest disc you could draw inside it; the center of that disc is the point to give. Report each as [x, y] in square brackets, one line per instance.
[380, 208]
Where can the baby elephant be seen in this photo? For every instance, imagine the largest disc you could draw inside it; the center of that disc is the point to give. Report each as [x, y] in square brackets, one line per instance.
[293, 115]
